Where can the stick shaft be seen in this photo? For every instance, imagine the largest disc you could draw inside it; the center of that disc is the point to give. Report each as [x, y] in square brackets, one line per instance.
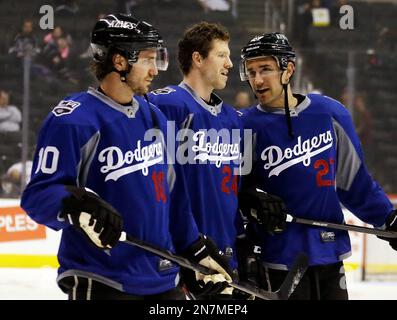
[347, 227]
[252, 290]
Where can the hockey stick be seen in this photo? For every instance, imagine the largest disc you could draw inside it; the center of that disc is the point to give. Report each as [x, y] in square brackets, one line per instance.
[342, 226]
[288, 286]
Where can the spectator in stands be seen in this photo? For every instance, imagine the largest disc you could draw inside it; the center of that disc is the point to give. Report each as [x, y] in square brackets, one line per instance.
[242, 100]
[303, 22]
[364, 119]
[361, 116]
[10, 116]
[313, 13]
[320, 14]
[53, 61]
[24, 40]
[63, 48]
[55, 34]
[11, 180]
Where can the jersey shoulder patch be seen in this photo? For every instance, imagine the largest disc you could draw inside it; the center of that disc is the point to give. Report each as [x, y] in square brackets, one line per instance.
[65, 107]
[166, 90]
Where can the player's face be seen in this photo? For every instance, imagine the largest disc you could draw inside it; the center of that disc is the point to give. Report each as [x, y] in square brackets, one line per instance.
[217, 64]
[143, 72]
[264, 78]
[4, 99]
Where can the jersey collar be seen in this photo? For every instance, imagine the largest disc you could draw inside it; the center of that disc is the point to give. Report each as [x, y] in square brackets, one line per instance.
[129, 111]
[294, 111]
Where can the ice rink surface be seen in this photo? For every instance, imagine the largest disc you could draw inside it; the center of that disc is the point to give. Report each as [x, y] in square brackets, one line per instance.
[39, 284]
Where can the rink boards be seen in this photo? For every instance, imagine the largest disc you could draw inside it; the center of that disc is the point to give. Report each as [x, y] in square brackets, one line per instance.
[25, 244]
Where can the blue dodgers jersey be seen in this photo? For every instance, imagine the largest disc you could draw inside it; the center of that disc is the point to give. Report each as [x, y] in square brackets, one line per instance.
[209, 154]
[89, 140]
[321, 167]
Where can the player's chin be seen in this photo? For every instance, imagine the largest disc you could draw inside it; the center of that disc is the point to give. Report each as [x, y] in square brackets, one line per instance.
[266, 102]
[221, 84]
[263, 100]
[142, 90]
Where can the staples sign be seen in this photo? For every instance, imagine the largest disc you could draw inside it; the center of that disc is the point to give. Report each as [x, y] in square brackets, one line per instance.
[16, 225]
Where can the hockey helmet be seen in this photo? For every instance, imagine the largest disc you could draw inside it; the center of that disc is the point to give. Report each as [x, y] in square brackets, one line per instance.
[128, 35]
[274, 44]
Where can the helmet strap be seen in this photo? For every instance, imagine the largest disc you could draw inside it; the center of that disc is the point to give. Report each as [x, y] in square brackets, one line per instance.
[123, 73]
[286, 107]
[252, 90]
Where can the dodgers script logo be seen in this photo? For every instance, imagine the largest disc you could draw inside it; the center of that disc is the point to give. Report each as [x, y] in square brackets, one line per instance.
[118, 164]
[274, 156]
[218, 152]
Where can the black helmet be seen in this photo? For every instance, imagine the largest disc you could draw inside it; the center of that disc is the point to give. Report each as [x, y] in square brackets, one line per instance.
[128, 35]
[274, 44]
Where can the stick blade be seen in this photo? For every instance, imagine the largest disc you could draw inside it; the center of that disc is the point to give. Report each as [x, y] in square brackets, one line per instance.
[294, 276]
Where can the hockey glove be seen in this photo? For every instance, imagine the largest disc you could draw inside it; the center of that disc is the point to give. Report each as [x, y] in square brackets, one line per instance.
[267, 210]
[93, 216]
[205, 252]
[391, 225]
[248, 258]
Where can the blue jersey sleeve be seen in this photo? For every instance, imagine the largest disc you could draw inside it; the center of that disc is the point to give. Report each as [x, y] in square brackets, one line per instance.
[55, 165]
[356, 189]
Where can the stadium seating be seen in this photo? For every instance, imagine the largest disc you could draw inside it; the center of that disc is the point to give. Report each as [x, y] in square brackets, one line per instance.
[325, 58]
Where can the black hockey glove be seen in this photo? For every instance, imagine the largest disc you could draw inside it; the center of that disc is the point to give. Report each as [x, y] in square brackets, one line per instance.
[247, 261]
[93, 216]
[204, 251]
[267, 210]
[391, 225]
[248, 258]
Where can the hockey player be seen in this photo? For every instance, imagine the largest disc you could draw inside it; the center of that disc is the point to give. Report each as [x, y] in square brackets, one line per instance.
[308, 154]
[101, 168]
[210, 145]
[204, 59]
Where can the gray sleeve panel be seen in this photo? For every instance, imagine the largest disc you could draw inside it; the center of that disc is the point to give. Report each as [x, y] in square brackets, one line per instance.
[349, 161]
[87, 156]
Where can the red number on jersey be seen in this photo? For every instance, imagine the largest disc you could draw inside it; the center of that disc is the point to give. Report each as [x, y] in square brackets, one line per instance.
[158, 181]
[324, 170]
[228, 176]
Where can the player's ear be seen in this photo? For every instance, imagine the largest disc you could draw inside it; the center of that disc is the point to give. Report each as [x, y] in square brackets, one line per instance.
[287, 74]
[119, 62]
[290, 70]
[197, 58]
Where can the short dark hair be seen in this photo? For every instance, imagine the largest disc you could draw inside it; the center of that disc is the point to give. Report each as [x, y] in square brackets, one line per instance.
[199, 38]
